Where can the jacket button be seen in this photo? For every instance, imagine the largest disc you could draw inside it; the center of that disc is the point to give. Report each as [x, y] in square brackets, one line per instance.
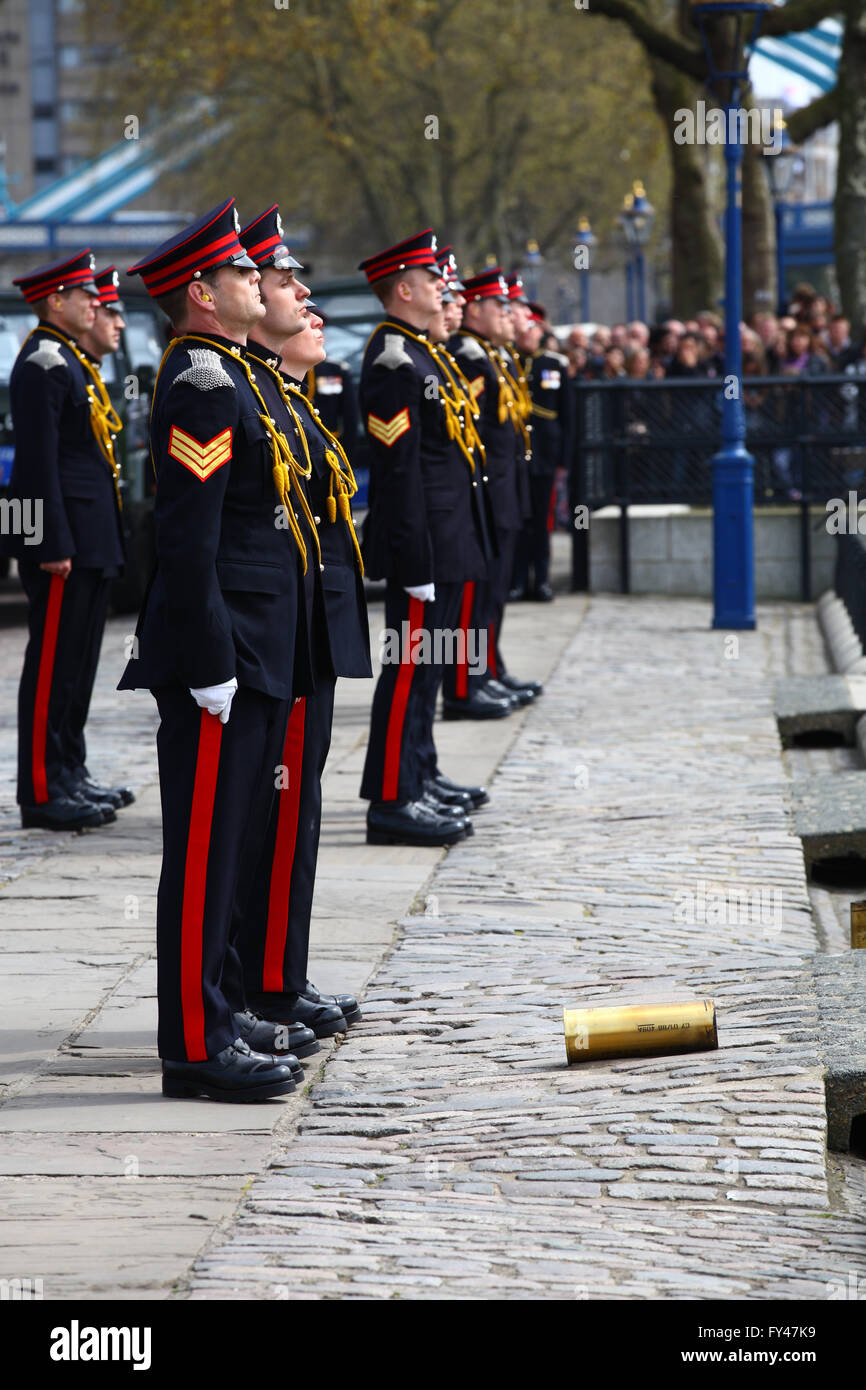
[486, 479]
[321, 567]
[318, 520]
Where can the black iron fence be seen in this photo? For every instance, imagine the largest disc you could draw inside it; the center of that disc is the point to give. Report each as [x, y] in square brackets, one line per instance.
[653, 442]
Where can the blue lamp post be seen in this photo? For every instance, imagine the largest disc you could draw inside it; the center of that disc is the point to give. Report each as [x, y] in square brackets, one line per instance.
[636, 221]
[585, 238]
[728, 49]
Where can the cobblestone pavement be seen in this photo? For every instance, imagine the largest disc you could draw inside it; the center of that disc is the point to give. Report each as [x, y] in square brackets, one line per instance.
[448, 1151]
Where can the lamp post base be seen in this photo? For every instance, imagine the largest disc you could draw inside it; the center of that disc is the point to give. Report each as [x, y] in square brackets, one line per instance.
[733, 538]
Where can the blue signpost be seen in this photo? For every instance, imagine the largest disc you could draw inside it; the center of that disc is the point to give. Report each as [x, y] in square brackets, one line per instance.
[733, 465]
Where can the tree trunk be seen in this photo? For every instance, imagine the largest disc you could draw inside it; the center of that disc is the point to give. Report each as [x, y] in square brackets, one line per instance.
[759, 231]
[697, 250]
[851, 182]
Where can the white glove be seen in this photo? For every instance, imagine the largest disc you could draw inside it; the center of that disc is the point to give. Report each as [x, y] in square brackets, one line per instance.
[217, 699]
[426, 592]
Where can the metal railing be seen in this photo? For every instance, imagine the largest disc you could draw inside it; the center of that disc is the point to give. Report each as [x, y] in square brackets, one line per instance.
[653, 442]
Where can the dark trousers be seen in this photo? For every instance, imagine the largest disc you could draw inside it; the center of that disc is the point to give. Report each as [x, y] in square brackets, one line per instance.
[273, 929]
[463, 677]
[445, 623]
[217, 783]
[392, 768]
[66, 620]
[501, 570]
[533, 544]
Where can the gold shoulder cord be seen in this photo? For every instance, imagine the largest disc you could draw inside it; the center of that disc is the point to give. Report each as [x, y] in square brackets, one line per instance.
[461, 412]
[104, 419]
[522, 408]
[508, 405]
[343, 485]
[286, 469]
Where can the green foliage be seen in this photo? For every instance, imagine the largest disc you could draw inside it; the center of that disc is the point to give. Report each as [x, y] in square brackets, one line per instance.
[544, 113]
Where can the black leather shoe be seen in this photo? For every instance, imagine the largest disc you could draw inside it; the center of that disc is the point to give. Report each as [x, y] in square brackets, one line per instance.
[414, 823]
[457, 814]
[515, 595]
[73, 787]
[272, 1039]
[235, 1074]
[267, 1009]
[512, 683]
[346, 1003]
[482, 705]
[121, 796]
[323, 1019]
[542, 593]
[477, 795]
[449, 796]
[64, 813]
[505, 692]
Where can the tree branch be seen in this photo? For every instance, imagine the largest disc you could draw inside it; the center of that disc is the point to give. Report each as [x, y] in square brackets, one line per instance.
[798, 15]
[686, 57]
[820, 112]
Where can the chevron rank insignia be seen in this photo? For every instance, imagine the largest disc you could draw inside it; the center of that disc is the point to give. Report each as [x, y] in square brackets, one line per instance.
[206, 371]
[200, 459]
[393, 354]
[471, 348]
[48, 355]
[476, 386]
[389, 431]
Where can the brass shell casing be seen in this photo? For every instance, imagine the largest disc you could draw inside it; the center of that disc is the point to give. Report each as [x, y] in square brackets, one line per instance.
[632, 1030]
[858, 926]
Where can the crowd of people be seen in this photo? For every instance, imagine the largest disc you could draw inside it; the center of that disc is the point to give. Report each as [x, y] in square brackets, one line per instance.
[813, 338]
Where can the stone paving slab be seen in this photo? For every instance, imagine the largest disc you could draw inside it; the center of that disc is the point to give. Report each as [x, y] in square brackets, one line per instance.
[640, 847]
[811, 704]
[830, 814]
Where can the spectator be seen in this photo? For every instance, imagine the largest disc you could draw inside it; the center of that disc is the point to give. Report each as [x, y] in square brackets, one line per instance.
[577, 362]
[766, 325]
[804, 354]
[838, 339]
[577, 338]
[687, 359]
[711, 353]
[637, 364]
[614, 363]
[619, 336]
[638, 334]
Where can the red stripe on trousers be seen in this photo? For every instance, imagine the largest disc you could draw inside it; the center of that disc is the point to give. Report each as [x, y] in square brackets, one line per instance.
[195, 886]
[284, 853]
[400, 699]
[43, 687]
[461, 685]
[551, 509]
[491, 652]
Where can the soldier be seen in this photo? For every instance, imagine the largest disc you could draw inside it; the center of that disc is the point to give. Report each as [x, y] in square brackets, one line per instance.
[421, 537]
[274, 929]
[552, 438]
[328, 385]
[486, 328]
[217, 646]
[66, 472]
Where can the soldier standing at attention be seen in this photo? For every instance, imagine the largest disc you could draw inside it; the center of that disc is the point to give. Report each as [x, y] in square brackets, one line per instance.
[552, 438]
[328, 385]
[274, 929]
[486, 329]
[66, 471]
[217, 648]
[420, 537]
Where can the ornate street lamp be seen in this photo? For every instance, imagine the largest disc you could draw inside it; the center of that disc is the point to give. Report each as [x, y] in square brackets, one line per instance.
[532, 263]
[781, 165]
[728, 48]
[636, 220]
[585, 238]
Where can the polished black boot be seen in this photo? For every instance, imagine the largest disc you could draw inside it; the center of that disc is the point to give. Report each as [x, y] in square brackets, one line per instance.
[482, 704]
[323, 1019]
[235, 1074]
[346, 1003]
[477, 795]
[65, 813]
[410, 823]
[512, 683]
[272, 1039]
